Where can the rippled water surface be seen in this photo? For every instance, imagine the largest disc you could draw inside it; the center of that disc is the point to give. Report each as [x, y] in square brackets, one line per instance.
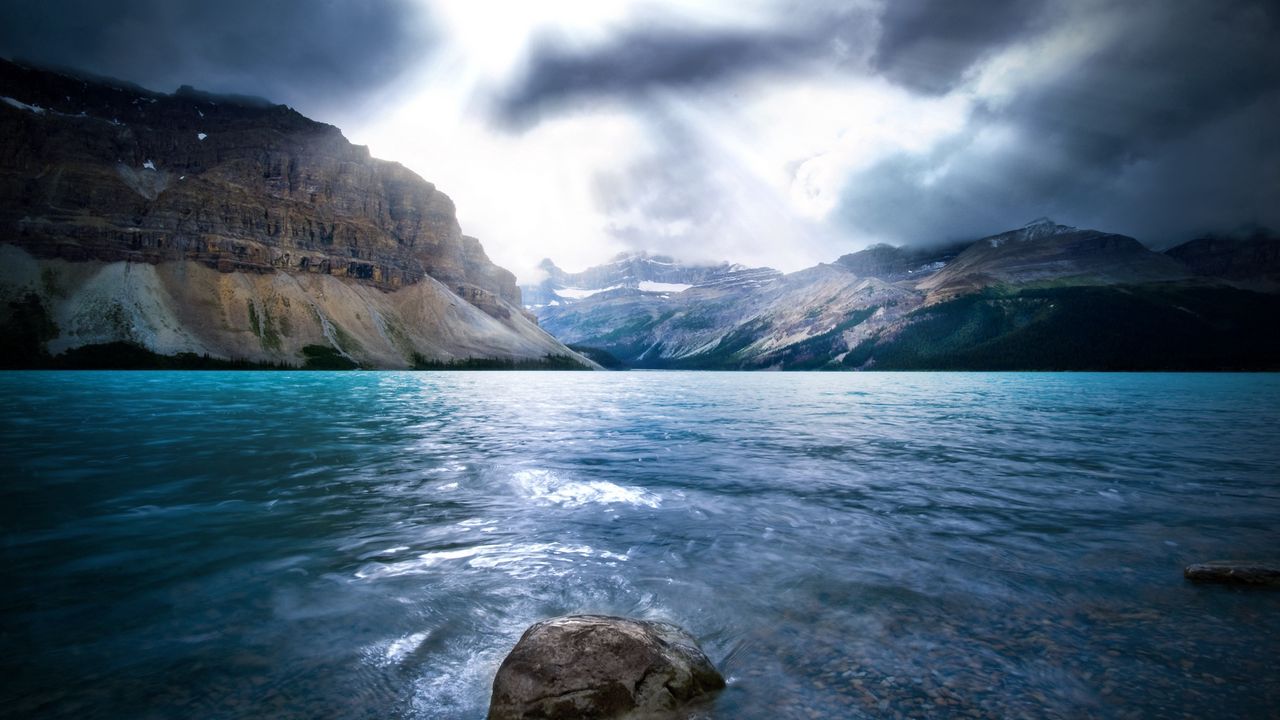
[369, 545]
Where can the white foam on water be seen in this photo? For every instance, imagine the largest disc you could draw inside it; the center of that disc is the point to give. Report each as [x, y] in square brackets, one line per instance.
[546, 486]
[394, 651]
[399, 649]
[459, 682]
[519, 560]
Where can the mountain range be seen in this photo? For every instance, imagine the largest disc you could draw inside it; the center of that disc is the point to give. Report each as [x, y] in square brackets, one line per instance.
[1042, 297]
[637, 271]
[137, 227]
[141, 229]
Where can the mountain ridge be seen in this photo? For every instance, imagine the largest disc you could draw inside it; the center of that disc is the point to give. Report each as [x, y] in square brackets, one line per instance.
[958, 306]
[1251, 258]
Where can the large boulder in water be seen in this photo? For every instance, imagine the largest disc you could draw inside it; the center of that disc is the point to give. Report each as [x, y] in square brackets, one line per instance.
[1234, 572]
[597, 666]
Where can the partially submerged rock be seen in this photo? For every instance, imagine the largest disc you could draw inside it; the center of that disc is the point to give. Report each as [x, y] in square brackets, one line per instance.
[597, 666]
[1234, 573]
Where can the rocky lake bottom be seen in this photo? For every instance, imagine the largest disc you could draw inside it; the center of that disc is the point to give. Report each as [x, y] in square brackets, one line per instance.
[844, 545]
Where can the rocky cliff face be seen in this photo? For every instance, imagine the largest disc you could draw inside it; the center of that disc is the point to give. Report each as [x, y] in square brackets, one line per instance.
[102, 172]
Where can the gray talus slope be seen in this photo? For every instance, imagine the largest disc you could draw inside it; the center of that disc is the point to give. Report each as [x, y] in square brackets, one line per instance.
[176, 307]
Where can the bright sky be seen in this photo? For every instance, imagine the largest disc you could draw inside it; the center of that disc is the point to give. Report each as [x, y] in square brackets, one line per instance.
[773, 150]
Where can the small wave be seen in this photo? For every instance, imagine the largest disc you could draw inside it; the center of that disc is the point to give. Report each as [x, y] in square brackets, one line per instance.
[458, 684]
[546, 486]
[520, 560]
[401, 648]
[394, 651]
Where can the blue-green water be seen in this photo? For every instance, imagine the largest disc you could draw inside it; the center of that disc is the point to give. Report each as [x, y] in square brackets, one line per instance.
[369, 545]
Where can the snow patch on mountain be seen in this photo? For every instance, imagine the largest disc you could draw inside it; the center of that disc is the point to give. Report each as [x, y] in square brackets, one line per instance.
[650, 286]
[22, 106]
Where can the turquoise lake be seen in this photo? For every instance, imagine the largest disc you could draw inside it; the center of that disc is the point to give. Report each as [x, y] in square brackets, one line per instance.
[371, 544]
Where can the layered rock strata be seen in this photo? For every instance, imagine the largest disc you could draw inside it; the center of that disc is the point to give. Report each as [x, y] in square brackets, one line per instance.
[98, 172]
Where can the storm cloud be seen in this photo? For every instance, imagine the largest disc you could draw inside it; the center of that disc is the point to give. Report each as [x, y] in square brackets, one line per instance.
[317, 56]
[759, 131]
[1163, 128]
[640, 62]
[1150, 118]
[929, 44]
[924, 44]
[671, 52]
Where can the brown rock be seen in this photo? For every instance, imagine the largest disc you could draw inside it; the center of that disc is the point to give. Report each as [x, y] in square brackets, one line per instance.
[108, 171]
[1233, 573]
[597, 666]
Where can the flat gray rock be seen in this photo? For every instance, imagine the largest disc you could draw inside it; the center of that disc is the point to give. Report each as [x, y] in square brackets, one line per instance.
[1234, 572]
[602, 667]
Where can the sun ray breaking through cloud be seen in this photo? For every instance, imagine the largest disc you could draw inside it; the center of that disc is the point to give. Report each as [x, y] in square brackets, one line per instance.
[761, 131]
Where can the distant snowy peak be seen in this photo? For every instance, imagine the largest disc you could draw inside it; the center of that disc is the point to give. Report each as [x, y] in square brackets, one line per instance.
[636, 272]
[1041, 227]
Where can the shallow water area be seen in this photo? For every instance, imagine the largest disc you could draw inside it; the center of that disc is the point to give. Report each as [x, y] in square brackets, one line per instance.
[370, 544]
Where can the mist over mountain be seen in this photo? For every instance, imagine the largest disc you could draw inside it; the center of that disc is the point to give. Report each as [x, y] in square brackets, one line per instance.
[1251, 257]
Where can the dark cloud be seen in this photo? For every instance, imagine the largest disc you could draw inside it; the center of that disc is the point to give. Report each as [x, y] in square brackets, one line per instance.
[928, 45]
[1165, 130]
[1162, 129]
[1171, 69]
[639, 62]
[319, 55]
